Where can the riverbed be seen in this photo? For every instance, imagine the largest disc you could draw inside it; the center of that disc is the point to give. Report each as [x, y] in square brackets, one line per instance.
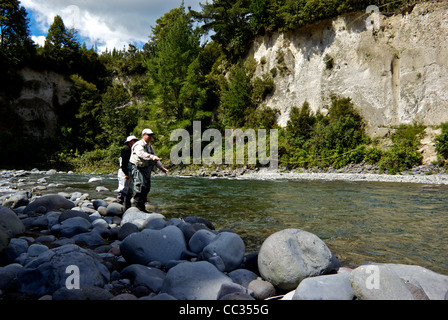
[359, 219]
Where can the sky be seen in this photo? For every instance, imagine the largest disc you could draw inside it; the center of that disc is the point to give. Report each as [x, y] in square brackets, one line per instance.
[106, 24]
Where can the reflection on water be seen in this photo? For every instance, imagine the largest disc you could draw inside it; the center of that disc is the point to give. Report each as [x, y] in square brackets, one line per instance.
[360, 222]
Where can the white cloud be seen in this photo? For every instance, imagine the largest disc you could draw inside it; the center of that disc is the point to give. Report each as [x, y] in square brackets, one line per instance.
[40, 40]
[106, 23]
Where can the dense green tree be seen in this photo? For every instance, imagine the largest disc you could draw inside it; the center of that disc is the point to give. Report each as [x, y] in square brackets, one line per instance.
[14, 29]
[16, 47]
[86, 99]
[172, 84]
[229, 20]
[61, 46]
[118, 117]
[236, 97]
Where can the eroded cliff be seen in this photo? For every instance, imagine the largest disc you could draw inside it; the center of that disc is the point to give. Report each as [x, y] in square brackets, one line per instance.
[395, 68]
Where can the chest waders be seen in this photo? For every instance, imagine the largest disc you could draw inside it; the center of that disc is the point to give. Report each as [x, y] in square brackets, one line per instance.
[141, 176]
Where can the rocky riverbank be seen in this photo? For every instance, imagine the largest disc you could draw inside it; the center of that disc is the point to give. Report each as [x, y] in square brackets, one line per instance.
[51, 245]
[425, 174]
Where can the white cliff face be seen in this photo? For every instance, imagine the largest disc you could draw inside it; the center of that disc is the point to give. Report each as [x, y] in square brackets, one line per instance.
[37, 102]
[395, 71]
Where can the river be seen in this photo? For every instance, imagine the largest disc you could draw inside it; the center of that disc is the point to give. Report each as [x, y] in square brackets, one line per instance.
[359, 221]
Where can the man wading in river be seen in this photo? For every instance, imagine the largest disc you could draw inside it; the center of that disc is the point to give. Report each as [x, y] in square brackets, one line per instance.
[142, 162]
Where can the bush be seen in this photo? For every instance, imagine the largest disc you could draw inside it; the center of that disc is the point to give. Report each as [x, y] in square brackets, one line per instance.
[336, 139]
[442, 142]
[403, 154]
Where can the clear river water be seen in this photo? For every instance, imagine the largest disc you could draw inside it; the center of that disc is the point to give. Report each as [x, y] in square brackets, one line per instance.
[359, 221]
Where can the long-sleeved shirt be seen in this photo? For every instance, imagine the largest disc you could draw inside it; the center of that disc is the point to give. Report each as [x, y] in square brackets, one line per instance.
[125, 156]
[142, 154]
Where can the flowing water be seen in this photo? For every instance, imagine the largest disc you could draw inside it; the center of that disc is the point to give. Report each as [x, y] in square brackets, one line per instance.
[359, 221]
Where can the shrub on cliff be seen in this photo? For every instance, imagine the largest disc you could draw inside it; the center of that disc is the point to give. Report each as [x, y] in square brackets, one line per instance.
[336, 139]
[442, 143]
[403, 154]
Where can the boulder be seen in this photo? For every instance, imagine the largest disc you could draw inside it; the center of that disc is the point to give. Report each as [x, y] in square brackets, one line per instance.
[7, 280]
[242, 277]
[91, 239]
[99, 203]
[139, 218]
[82, 294]
[71, 227]
[49, 272]
[194, 281]
[19, 199]
[421, 282]
[229, 247]
[53, 202]
[36, 249]
[140, 275]
[200, 240]
[153, 245]
[10, 221]
[67, 214]
[378, 282]
[127, 229]
[4, 239]
[261, 289]
[289, 256]
[15, 248]
[234, 291]
[327, 287]
[115, 209]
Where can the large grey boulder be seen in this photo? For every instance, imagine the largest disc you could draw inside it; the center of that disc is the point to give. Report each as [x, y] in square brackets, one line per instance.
[289, 256]
[194, 281]
[139, 218]
[153, 245]
[49, 271]
[422, 283]
[10, 221]
[19, 199]
[151, 278]
[378, 282]
[200, 240]
[53, 202]
[327, 287]
[229, 247]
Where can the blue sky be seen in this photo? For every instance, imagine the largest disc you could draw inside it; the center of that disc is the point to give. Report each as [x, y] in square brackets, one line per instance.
[104, 23]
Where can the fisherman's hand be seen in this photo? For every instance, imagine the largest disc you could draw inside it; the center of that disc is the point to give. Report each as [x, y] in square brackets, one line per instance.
[165, 170]
[156, 158]
[126, 177]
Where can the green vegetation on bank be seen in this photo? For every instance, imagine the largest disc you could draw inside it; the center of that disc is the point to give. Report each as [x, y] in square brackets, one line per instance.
[176, 79]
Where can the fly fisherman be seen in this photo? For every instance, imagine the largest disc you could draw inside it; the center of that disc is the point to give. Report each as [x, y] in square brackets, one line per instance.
[124, 177]
[143, 161]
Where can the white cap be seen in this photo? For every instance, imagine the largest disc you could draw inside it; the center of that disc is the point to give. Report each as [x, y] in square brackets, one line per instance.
[147, 131]
[130, 138]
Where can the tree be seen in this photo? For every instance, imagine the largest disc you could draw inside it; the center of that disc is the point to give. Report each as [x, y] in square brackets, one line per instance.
[117, 119]
[172, 85]
[236, 97]
[230, 22]
[14, 29]
[86, 98]
[61, 46]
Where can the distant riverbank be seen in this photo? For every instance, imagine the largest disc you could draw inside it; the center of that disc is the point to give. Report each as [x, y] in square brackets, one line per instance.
[428, 174]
